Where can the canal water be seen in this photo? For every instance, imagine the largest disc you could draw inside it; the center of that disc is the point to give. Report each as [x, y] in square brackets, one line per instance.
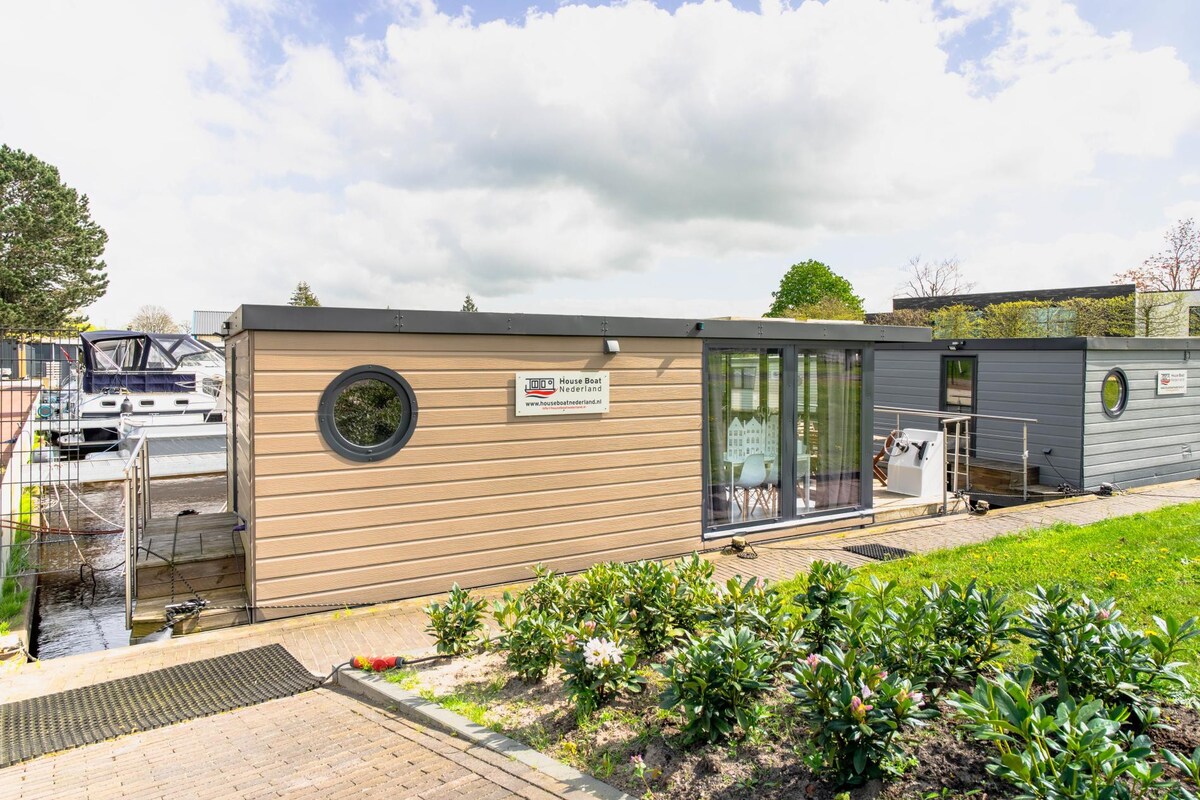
[82, 615]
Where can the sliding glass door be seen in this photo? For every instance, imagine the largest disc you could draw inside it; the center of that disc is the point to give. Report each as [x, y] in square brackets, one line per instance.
[783, 429]
[828, 430]
[744, 392]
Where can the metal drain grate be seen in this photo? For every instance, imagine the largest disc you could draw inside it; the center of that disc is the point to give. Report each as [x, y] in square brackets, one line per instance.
[90, 714]
[878, 552]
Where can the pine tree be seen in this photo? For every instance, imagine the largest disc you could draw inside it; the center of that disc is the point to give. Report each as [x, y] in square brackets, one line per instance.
[469, 304]
[303, 296]
[50, 248]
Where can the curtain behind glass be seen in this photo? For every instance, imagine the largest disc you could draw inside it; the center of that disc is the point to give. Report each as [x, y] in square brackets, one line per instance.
[836, 376]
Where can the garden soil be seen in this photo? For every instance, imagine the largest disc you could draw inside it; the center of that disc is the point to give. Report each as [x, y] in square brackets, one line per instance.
[944, 763]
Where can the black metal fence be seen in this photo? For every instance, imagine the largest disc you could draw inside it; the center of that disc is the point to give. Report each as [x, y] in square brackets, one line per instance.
[39, 472]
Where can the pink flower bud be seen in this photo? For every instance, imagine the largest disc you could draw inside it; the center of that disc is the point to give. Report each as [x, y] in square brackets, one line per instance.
[812, 660]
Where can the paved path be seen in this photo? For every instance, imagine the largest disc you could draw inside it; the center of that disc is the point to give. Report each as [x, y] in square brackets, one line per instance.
[323, 744]
[783, 560]
[318, 641]
[319, 744]
[321, 640]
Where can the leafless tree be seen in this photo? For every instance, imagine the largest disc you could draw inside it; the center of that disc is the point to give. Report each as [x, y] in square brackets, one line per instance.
[153, 319]
[1175, 269]
[934, 278]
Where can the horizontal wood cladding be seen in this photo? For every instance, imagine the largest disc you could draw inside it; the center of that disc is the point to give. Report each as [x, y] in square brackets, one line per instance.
[336, 589]
[308, 463]
[333, 571]
[477, 495]
[508, 467]
[467, 380]
[521, 527]
[437, 417]
[453, 487]
[526, 431]
[463, 399]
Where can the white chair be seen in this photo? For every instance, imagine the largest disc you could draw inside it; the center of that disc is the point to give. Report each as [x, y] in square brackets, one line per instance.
[750, 481]
[769, 492]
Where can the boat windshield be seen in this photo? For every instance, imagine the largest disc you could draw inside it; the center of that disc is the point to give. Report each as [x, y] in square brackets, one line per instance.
[190, 353]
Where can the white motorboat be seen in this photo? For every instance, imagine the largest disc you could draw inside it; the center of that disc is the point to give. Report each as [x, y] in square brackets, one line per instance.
[155, 378]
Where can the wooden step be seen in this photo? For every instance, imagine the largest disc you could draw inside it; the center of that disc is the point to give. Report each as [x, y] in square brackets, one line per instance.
[226, 579]
[1000, 477]
[212, 573]
[150, 615]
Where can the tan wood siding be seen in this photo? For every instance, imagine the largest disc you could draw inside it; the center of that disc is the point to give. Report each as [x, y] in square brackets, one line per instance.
[239, 415]
[477, 495]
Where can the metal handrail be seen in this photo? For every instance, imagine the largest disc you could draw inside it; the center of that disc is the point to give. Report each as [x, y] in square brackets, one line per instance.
[137, 513]
[962, 422]
[918, 411]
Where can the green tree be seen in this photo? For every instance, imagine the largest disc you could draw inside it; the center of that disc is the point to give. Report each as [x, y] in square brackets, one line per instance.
[469, 304]
[303, 295]
[955, 322]
[826, 308]
[1016, 320]
[808, 283]
[50, 248]
[1101, 316]
[905, 317]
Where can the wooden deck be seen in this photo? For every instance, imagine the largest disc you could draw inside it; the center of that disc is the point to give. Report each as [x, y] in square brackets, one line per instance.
[182, 558]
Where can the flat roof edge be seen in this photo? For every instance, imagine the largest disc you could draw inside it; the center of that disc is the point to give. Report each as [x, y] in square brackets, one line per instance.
[366, 320]
[1052, 343]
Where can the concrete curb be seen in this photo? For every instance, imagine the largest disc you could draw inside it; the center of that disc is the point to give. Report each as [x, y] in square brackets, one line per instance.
[416, 708]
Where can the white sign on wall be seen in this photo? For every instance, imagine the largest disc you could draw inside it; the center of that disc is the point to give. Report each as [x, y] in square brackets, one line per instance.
[1171, 381]
[545, 393]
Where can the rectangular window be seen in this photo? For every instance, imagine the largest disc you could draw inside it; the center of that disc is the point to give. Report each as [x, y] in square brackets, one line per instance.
[958, 384]
[1194, 321]
[756, 470]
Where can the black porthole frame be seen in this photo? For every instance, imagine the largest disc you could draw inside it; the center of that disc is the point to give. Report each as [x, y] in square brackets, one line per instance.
[367, 453]
[1119, 374]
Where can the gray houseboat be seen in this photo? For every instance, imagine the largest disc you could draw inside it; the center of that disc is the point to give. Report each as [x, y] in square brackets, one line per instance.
[1119, 411]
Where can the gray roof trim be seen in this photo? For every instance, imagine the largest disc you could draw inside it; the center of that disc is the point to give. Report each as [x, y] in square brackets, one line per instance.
[1141, 343]
[366, 320]
[1055, 343]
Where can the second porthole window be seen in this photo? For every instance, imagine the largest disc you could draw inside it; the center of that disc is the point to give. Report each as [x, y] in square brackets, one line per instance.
[1114, 393]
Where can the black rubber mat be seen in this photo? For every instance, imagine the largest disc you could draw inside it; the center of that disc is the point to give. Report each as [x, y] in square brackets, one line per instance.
[90, 714]
[878, 552]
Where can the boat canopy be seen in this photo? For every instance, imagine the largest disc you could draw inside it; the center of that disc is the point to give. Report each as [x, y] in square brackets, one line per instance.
[139, 351]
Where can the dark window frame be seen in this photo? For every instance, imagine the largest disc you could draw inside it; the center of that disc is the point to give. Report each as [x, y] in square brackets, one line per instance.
[1123, 380]
[790, 351]
[944, 406]
[367, 453]
[944, 384]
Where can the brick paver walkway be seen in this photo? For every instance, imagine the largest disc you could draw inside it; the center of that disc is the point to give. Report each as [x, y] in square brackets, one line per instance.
[318, 641]
[317, 744]
[323, 744]
[783, 560]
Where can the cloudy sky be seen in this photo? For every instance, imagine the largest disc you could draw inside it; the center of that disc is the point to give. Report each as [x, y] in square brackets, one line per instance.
[661, 158]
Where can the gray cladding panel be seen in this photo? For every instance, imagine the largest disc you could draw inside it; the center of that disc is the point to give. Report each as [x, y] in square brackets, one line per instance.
[905, 379]
[1045, 385]
[1157, 438]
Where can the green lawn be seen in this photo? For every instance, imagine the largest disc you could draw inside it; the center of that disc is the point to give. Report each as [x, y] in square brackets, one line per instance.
[1149, 562]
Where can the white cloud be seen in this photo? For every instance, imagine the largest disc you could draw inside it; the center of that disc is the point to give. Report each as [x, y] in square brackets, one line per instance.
[580, 143]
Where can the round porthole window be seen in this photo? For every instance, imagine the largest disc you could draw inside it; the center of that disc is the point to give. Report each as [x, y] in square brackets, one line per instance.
[367, 413]
[1114, 392]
